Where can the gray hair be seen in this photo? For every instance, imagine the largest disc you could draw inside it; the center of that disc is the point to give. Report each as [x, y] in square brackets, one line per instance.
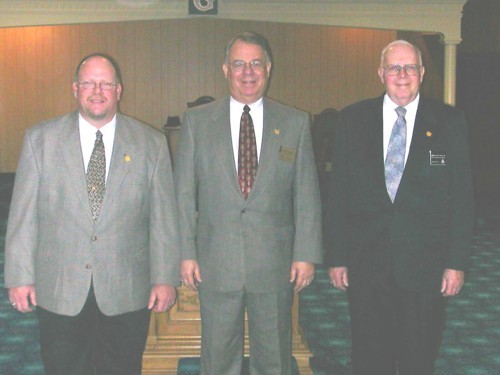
[250, 37]
[400, 42]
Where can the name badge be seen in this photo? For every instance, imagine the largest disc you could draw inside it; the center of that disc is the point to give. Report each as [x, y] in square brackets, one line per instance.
[287, 154]
[437, 159]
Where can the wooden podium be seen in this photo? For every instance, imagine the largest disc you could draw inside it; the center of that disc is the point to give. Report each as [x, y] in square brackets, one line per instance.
[176, 334]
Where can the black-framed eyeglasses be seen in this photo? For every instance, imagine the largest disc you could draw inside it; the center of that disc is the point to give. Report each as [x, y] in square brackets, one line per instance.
[91, 85]
[410, 69]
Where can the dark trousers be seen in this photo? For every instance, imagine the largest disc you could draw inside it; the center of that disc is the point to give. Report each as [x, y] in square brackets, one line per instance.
[91, 342]
[394, 331]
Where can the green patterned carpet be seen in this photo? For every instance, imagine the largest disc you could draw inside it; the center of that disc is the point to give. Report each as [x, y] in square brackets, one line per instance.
[471, 339]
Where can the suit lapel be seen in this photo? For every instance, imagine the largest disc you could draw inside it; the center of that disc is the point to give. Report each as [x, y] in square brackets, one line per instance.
[271, 142]
[425, 127]
[373, 134]
[221, 141]
[124, 152]
[71, 153]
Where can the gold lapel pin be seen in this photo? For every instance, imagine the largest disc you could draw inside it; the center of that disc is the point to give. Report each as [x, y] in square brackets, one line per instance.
[276, 131]
[127, 158]
[429, 134]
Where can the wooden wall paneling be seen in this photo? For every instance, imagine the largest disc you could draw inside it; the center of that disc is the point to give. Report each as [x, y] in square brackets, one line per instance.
[194, 60]
[44, 73]
[145, 43]
[167, 63]
[353, 54]
[291, 68]
[317, 73]
[175, 59]
[75, 54]
[157, 102]
[21, 82]
[184, 66]
[330, 69]
[341, 62]
[3, 125]
[214, 57]
[63, 69]
[127, 60]
[305, 71]
[367, 65]
[223, 33]
[275, 34]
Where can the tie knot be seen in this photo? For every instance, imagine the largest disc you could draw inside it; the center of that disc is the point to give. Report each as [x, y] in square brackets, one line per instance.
[401, 111]
[98, 135]
[246, 109]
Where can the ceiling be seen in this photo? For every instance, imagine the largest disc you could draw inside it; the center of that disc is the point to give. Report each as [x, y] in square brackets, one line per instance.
[434, 16]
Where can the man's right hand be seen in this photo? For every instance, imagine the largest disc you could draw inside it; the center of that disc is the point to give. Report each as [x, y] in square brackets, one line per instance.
[190, 274]
[339, 278]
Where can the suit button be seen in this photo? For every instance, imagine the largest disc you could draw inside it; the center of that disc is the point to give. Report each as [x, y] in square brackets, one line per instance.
[94, 238]
[243, 211]
[88, 266]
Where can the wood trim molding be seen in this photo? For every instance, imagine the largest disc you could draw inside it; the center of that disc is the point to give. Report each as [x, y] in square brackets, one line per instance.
[436, 16]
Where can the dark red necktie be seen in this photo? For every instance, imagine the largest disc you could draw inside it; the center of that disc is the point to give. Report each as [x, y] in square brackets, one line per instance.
[247, 153]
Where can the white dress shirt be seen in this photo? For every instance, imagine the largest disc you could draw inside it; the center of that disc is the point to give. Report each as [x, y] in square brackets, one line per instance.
[88, 136]
[390, 117]
[257, 113]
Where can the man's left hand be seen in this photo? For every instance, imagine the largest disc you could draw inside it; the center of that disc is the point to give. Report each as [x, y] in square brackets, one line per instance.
[162, 297]
[302, 273]
[453, 281]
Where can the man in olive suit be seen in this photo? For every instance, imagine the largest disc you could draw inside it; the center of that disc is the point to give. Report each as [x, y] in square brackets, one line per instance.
[247, 242]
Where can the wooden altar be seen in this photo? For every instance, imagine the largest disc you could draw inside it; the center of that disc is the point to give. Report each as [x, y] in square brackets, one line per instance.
[176, 334]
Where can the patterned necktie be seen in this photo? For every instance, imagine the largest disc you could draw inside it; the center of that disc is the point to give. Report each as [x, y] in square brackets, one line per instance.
[247, 153]
[96, 175]
[395, 159]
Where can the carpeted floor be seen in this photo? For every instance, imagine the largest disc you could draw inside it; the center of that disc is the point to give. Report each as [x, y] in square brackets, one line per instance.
[471, 338]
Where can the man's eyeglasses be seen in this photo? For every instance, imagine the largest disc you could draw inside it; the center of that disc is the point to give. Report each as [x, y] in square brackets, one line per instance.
[91, 85]
[239, 65]
[410, 69]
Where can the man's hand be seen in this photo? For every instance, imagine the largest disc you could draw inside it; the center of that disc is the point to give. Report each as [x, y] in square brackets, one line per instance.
[339, 278]
[23, 298]
[452, 282]
[302, 273]
[190, 274]
[162, 297]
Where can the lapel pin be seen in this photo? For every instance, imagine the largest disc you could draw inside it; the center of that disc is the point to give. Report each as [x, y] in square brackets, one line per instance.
[127, 158]
[428, 134]
[276, 131]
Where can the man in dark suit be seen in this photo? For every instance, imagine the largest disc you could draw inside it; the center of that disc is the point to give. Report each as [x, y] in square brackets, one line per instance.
[400, 218]
[250, 230]
[92, 238]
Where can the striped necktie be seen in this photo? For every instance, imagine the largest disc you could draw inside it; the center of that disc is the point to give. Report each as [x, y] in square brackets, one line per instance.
[247, 153]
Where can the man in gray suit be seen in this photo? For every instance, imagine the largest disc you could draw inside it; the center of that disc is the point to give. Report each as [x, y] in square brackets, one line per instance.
[93, 267]
[247, 244]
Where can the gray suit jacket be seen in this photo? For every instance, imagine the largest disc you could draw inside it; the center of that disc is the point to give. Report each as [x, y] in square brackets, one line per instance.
[52, 241]
[249, 243]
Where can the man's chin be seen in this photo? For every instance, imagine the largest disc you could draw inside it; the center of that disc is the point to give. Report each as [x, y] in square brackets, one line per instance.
[98, 116]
